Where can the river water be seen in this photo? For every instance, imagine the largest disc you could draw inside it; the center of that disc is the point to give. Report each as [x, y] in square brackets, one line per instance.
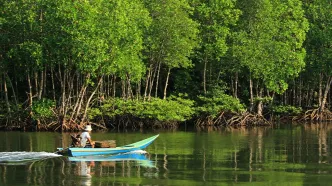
[279, 155]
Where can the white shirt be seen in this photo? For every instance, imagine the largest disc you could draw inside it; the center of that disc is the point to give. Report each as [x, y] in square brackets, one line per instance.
[84, 138]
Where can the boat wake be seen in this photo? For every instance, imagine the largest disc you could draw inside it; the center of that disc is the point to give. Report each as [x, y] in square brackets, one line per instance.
[136, 152]
[23, 157]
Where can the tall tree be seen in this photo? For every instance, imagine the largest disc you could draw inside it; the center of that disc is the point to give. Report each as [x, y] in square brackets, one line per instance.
[319, 46]
[22, 45]
[106, 38]
[269, 43]
[215, 19]
[170, 40]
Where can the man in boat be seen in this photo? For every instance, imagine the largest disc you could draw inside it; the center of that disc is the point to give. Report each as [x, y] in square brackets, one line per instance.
[86, 140]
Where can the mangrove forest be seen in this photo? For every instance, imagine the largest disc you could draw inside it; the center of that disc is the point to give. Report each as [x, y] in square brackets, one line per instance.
[159, 64]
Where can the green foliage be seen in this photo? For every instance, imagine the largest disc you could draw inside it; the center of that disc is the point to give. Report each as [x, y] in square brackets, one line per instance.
[269, 41]
[172, 109]
[218, 102]
[42, 109]
[215, 18]
[172, 35]
[94, 112]
[287, 109]
[266, 99]
[175, 108]
[319, 38]
[56, 44]
[27, 55]
[100, 37]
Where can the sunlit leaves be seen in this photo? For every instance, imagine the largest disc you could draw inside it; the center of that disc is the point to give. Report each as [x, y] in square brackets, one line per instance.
[173, 34]
[286, 110]
[215, 18]
[319, 39]
[105, 36]
[217, 101]
[269, 41]
[42, 109]
[173, 109]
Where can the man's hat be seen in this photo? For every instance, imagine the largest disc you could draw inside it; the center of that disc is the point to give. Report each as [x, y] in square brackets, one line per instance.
[88, 128]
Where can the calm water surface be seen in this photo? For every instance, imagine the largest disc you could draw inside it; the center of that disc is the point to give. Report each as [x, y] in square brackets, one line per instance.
[283, 155]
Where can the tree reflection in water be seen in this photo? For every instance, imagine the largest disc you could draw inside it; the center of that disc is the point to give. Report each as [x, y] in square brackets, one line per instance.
[283, 155]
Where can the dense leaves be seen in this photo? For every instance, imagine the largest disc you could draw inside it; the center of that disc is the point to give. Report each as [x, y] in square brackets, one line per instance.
[43, 109]
[174, 109]
[217, 102]
[286, 110]
[91, 60]
[269, 41]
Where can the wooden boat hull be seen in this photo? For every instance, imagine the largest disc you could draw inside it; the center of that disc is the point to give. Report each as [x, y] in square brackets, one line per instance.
[140, 145]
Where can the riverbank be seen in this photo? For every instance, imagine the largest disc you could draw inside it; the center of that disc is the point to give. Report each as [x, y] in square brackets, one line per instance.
[131, 122]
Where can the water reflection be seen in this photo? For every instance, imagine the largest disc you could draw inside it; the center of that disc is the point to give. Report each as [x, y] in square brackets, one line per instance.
[87, 166]
[271, 155]
[322, 132]
[84, 170]
[283, 155]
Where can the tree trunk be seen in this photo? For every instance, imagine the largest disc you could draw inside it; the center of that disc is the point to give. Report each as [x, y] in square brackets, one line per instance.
[157, 80]
[41, 86]
[101, 87]
[13, 90]
[147, 82]
[166, 83]
[36, 82]
[311, 97]
[236, 81]
[70, 90]
[89, 100]
[53, 85]
[30, 94]
[129, 89]
[123, 88]
[6, 94]
[320, 89]
[30, 102]
[138, 90]
[62, 78]
[152, 82]
[114, 86]
[79, 100]
[251, 94]
[204, 75]
[327, 89]
[81, 97]
[260, 103]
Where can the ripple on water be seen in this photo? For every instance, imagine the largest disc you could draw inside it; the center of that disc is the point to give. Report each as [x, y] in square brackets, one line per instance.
[23, 157]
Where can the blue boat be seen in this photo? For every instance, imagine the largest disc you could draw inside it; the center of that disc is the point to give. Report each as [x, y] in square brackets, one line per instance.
[75, 151]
